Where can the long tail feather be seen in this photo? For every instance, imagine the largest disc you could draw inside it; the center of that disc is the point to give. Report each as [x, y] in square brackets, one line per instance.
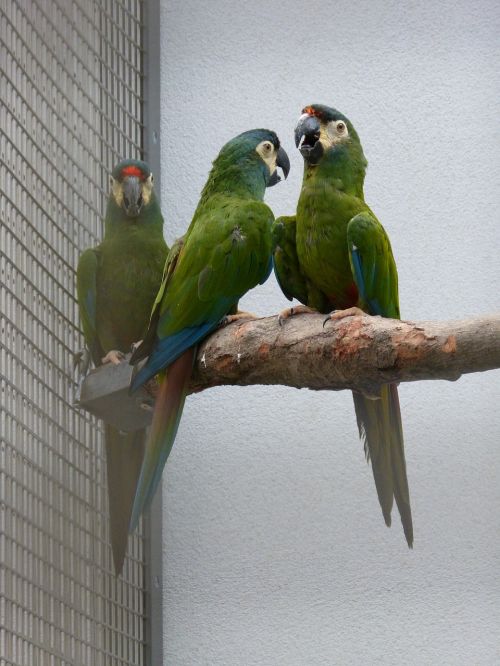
[380, 428]
[166, 416]
[124, 455]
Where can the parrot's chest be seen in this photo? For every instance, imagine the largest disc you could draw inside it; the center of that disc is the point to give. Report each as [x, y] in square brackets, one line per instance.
[127, 283]
[322, 246]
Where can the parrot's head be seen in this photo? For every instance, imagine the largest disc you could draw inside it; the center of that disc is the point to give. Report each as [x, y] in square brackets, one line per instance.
[324, 133]
[255, 153]
[132, 186]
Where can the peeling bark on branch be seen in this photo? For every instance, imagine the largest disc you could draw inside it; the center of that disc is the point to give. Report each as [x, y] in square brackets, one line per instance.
[353, 353]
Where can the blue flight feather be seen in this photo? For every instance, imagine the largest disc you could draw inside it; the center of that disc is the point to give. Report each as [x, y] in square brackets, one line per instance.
[358, 272]
[360, 282]
[167, 350]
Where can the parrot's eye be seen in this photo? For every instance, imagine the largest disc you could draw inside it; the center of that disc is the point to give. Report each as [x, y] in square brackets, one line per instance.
[152, 180]
[266, 150]
[337, 131]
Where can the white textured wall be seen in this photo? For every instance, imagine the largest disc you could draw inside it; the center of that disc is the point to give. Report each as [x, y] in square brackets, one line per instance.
[275, 549]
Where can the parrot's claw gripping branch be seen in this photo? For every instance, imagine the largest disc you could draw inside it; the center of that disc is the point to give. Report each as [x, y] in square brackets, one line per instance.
[291, 312]
[114, 356]
[239, 316]
[342, 314]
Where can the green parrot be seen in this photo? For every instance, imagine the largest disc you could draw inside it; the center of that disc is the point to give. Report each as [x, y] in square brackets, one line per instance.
[117, 282]
[225, 252]
[335, 257]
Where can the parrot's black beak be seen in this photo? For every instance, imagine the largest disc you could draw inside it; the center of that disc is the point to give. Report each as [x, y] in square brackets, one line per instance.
[307, 138]
[283, 162]
[132, 196]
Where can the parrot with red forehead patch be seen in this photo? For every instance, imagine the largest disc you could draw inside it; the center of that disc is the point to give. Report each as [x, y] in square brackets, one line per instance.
[117, 283]
[335, 257]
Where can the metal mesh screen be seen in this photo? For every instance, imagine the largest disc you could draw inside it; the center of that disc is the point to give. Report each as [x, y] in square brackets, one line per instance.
[70, 107]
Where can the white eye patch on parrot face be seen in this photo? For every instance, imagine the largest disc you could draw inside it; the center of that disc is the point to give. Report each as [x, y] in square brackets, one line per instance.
[334, 132]
[268, 153]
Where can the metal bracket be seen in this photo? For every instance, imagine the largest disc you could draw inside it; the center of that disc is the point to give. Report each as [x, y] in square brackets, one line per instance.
[105, 393]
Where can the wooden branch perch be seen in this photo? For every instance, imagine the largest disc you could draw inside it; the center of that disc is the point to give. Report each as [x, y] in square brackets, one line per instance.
[355, 352]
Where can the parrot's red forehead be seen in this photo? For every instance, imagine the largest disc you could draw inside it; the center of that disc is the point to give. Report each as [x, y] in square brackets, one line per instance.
[311, 111]
[132, 170]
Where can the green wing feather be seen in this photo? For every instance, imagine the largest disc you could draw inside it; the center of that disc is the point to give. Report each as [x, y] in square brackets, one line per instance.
[170, 264]
[373, 265]
[222, 258]
[285, 260]
[146, 347]
[86, 286]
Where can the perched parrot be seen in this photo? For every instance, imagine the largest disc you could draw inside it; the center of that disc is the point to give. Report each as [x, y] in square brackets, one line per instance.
[225, 252]
[335, 257]
[117, 282]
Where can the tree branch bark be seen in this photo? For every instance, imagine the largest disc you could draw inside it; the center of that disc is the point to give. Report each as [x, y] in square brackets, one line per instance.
[357, 353]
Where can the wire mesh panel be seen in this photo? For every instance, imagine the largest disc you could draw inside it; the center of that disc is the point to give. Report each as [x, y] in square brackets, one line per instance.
[70, 108]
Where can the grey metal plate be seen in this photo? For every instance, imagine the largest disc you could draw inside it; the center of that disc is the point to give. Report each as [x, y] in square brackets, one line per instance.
[105, 393]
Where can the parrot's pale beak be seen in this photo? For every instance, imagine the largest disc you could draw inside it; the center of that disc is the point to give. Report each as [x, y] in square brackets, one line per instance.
[307, 138]
[132, 196]
[283, 163]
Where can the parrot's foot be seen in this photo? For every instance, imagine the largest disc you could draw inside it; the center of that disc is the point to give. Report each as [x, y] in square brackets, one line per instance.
[114, 356]
[291, 312]
[228, 319]
[340, 314]
[135, 345]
